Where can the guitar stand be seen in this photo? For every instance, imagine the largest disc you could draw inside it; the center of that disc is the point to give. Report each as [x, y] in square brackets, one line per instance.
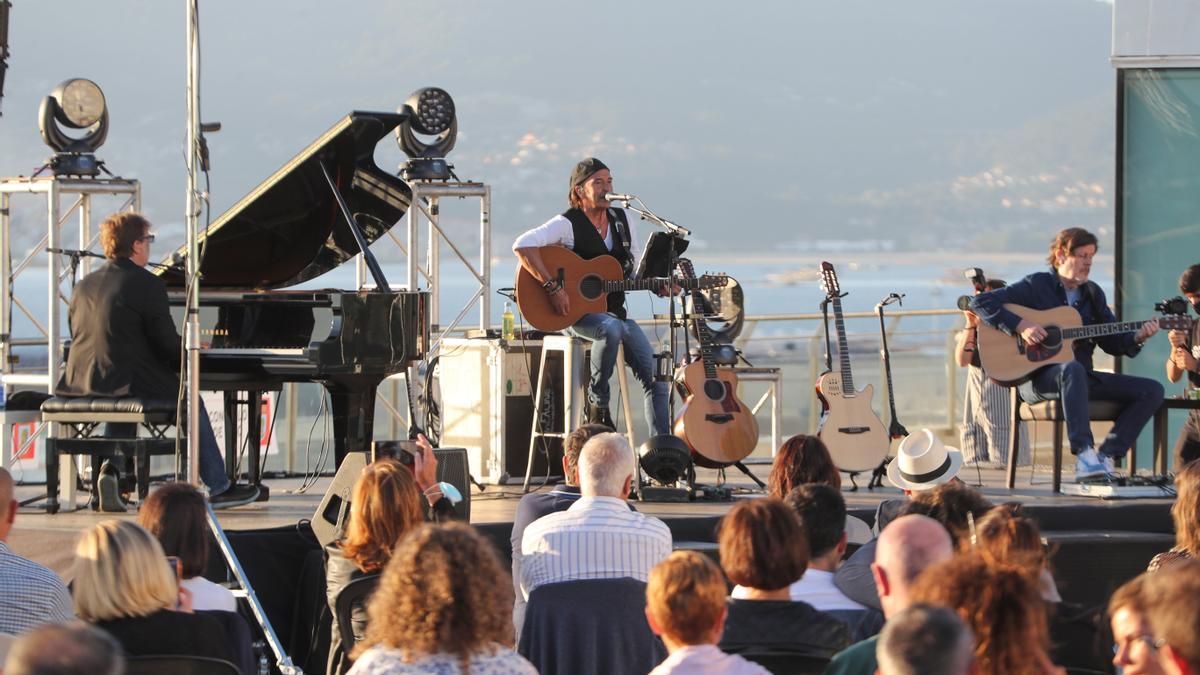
[877, 475]
[746, 470]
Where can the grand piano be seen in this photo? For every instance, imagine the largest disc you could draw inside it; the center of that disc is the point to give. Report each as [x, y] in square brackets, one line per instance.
[321, 209]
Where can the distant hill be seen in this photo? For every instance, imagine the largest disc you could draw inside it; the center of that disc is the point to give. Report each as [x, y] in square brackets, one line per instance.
[937, 124]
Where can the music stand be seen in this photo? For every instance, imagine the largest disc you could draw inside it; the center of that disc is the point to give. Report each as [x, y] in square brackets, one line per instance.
[662, 250]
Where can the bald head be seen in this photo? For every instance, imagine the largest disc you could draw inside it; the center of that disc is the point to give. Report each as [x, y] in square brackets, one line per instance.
[907, 546]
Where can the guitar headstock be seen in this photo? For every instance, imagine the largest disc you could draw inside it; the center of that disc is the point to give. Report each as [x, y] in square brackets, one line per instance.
[1175, 322]
[829, 280]
[686, 271]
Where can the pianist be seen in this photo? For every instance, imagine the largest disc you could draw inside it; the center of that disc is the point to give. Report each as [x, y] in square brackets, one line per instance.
[592, 228]
[124, 343]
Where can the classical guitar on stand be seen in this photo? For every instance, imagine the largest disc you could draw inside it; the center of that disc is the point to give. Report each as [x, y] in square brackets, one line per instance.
[587, 284]
[718, 427]
[854, 434]
[1010, 360]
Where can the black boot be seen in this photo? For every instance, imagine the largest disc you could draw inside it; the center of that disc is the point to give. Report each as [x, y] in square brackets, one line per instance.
[600, 415]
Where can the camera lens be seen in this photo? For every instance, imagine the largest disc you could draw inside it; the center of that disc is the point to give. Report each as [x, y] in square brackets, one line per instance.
[964, 303]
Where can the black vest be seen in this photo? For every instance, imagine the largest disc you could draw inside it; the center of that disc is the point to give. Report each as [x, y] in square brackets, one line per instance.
[588, 245]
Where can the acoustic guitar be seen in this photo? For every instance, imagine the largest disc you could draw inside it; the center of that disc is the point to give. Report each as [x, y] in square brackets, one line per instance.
[587, 284]
[1010, 360]
[718, 427]
[854, 434]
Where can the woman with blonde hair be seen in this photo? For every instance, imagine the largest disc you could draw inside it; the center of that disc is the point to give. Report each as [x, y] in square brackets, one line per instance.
[387, 502]
[444, 606]
[125, 585]
[1186, 514]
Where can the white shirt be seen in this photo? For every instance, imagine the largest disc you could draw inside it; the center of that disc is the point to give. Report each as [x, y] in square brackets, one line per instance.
[596, 538]
[206, 595]
[707, 660]
[493, 660]
[558, 232]
[817, 589]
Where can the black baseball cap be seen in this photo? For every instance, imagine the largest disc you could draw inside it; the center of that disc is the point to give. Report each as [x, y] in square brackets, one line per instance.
[585, 169]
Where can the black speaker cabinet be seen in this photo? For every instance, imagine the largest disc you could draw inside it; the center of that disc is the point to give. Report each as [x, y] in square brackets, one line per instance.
[329, 522]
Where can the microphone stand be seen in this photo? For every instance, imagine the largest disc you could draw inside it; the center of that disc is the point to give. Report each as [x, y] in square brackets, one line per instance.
[647, 214]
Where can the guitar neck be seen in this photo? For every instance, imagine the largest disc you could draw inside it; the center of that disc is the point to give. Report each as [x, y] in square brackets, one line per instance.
[648, 284]
[1101, 330]
[843, 349]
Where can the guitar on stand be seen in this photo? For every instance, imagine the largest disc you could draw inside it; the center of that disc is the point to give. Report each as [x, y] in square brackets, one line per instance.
[854, 434]
[895, 428]
[718, 427]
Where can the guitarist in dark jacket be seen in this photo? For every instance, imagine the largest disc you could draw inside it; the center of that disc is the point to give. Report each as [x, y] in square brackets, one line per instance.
[1075, 382]
[124, 343]
[591, 229]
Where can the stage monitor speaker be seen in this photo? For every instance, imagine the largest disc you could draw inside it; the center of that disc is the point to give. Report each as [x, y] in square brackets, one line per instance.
[329, 522]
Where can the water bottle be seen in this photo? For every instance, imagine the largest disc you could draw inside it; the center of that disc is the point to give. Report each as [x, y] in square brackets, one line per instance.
[506, 323]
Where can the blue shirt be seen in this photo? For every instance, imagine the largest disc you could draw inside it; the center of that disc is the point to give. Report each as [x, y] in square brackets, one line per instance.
[1044, 290]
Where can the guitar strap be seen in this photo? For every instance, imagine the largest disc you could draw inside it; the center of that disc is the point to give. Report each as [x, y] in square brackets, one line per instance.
[622, 238]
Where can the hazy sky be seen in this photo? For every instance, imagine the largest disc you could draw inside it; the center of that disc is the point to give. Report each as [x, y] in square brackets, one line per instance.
[714, 112]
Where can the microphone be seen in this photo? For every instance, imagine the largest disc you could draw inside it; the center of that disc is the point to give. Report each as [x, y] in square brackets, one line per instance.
[614, 197]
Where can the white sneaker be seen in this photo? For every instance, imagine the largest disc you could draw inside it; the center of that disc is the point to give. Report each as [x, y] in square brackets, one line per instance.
[1110, 465]
[1089, 465]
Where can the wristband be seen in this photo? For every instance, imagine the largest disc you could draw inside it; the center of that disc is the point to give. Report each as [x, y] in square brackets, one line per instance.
[552, 285]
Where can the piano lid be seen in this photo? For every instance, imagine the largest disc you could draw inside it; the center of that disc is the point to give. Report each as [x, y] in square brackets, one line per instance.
[289, 229]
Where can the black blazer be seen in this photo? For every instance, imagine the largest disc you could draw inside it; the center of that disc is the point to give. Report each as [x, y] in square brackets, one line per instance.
[123, 340]
[168, 633]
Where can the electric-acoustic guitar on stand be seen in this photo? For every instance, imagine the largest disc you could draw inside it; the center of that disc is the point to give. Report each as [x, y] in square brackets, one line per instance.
[587, 284]
[718, 427]
[1010, 360]
[854, 434]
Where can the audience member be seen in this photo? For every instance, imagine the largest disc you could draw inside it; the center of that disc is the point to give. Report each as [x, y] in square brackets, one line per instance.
[1135, 651]
[537, 504]
[802, 459]
[124, 585]
[1186, 514]
[30, 594]
[908, 546]
[1003, 535]
[685, 606]
[926, 640]
[1172, 602]
[176, 514]
[923, 463]
[597, 537]
[442, 607]
[1002, 606]
[763, 550]
[385, 504]
[65, 649]
[822, 512]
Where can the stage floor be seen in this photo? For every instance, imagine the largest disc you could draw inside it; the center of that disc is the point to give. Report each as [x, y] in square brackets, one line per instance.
[49, 539]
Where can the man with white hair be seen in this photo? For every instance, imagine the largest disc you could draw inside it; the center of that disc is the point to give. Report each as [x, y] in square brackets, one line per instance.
[926, 640]
[908, 546]
[598, 537]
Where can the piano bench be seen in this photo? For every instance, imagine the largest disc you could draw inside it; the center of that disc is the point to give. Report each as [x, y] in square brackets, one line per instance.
[79, 434]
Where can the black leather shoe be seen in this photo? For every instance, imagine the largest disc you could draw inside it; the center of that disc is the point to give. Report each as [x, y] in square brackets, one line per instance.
[108, 485]
[236, 495]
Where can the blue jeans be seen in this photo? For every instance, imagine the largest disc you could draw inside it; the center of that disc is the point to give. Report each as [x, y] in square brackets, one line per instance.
[1075, 385]
[212, 466]
[606, 332]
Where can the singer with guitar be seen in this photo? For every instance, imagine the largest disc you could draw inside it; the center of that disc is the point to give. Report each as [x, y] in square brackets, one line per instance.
[1074, 381]
[591, 228]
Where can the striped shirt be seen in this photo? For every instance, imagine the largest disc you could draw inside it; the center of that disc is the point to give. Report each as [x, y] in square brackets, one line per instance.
[30, 594]
[596, 538]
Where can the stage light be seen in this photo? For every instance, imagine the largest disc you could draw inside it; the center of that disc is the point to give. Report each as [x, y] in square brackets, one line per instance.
[429, 112]
[74, 104]
[665, 458]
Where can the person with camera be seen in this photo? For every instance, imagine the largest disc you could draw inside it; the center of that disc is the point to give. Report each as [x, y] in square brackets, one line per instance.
[984, 435]
[1076, 382]
[1185, 358]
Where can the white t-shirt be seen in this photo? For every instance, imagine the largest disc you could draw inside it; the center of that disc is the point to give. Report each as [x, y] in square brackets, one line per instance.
[817, 589]
[206, 595]
[707, 660]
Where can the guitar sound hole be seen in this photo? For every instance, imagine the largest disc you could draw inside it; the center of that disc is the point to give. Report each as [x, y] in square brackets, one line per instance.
[1053, 337]
[714, 390]
[591, 287]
